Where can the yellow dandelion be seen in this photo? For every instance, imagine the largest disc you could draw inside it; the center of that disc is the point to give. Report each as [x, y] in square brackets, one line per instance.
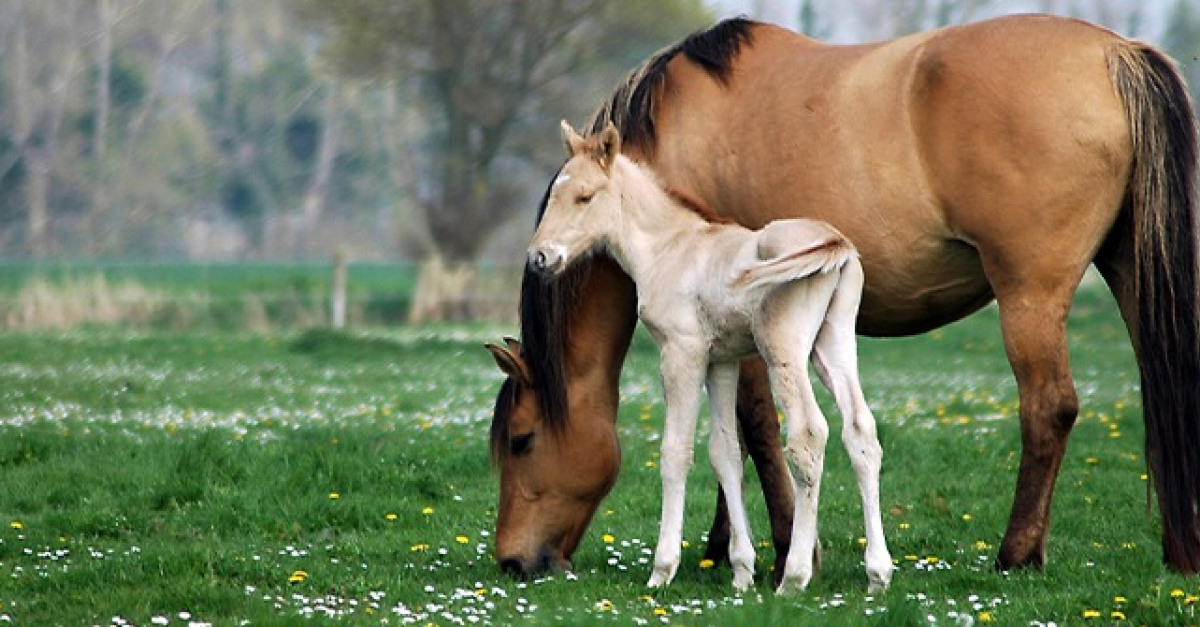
[967, 517]
[1191, 599]
[427, 511]
[651, 464]
[1092, 614]
[390, 517]
[905, 526]
[986, 617]
[1117, 615]
[705, 564]
[684, 543]
[333, 496]
[660, 611]
[1176, 593]
[862, 542]
[604, 605]
[608, 538]
[16, 524]
[1092, 460]
[298, 576]
[933, 559]
[1119, 600]
[980, 545]
[462, 539]
[416, 548]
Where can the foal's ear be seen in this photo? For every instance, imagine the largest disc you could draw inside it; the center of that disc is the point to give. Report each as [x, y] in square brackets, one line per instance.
[571, 139]
[609, 147]
[508, 358]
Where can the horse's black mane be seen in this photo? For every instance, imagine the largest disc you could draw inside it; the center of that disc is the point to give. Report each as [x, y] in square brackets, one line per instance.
[546, 305]
[631, 106]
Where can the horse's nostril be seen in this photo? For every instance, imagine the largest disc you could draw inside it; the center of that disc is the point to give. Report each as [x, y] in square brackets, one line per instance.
[512, 566]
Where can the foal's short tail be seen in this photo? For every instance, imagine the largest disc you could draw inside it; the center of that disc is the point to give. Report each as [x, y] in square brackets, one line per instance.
[1162, 197]
[829, 254]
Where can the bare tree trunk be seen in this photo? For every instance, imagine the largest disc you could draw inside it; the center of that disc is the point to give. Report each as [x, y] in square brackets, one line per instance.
[318, 184]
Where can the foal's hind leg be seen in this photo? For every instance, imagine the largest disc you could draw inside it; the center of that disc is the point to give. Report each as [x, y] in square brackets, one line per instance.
[725, 454]
[791, 320]
[836, 358]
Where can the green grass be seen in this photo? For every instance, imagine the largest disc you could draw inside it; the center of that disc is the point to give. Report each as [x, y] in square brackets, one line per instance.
[149, 475]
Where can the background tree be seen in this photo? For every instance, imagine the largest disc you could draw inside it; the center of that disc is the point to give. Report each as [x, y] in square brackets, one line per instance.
[489, 78]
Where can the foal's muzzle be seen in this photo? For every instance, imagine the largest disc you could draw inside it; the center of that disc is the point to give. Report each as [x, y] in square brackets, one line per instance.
[546, 260]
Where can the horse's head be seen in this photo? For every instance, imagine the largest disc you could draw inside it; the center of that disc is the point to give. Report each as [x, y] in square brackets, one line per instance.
[552, 476]
[582, 204]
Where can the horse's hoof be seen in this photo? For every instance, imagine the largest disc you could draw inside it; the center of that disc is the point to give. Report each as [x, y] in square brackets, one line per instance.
[661, 577]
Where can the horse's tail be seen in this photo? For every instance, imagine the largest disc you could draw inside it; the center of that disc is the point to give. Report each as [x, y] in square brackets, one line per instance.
[1162, 198]
[824, 256]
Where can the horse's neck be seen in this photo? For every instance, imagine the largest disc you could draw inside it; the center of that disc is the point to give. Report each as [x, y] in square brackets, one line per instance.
[651, 220]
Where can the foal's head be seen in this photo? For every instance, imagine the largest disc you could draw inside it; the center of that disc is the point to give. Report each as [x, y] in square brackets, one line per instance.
[583, 203]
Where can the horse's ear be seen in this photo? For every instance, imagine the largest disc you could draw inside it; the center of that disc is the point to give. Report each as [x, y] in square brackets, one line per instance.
[610, 145]
[572, 141]
[508, 358]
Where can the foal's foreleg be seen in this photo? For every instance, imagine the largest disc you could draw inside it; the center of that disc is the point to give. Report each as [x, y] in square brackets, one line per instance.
[836, 359]
[725, 454]
[682, 376]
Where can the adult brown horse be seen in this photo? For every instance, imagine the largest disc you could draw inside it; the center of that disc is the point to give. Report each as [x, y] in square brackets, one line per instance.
[990, 160]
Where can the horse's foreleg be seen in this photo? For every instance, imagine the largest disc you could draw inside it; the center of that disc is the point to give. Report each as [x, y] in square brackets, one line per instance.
[1034, 328]
[682, 376]
[725, 454]
[836, 358]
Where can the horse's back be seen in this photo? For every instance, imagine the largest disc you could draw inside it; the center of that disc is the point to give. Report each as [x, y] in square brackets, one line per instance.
[930, 152]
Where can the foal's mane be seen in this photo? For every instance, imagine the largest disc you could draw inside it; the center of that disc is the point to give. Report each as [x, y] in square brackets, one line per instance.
[547, 305]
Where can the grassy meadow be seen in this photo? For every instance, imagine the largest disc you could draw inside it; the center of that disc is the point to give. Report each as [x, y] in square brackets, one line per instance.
[173, 476]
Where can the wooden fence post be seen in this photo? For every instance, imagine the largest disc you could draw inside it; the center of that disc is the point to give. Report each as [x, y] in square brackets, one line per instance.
[338, 298]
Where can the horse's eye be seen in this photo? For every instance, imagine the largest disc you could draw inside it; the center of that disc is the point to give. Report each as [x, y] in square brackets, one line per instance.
[584, 198]
[519, 444]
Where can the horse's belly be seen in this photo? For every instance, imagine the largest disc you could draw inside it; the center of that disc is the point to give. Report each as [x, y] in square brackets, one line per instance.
[920, 289]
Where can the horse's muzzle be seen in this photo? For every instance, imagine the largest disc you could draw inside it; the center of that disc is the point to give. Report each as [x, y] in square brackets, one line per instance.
[546, 562]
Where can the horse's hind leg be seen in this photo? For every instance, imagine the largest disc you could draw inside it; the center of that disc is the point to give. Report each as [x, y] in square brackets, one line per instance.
[725, 454]
[1033, 319]
[836, 358]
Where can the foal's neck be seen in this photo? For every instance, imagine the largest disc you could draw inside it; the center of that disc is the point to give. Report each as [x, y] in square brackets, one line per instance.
[651, 219]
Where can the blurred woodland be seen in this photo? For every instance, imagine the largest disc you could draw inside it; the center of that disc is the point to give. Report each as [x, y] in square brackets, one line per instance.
[204, 130]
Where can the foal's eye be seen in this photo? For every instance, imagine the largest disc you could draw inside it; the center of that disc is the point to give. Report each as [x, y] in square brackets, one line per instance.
[584, 198]
[519, 444]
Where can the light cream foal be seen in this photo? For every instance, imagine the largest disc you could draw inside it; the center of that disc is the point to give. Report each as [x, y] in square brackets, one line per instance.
[710, 294]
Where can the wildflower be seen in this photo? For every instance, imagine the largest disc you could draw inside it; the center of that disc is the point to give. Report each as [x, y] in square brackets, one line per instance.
[705, 564]
[986, 617]
[298, 576]
[1119, 600]
[333, 496]
[461, 539]
[1117, 615]
[608, 538]
[1176, 593]
[905, 526]
[967, 517]
[980, 545]
[427, 511]
[416, 548]
[1191, 599]
[390, 517]
[16, 524]
[660, 611]
[651, 464]
[1091, 614]
[604, 605]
